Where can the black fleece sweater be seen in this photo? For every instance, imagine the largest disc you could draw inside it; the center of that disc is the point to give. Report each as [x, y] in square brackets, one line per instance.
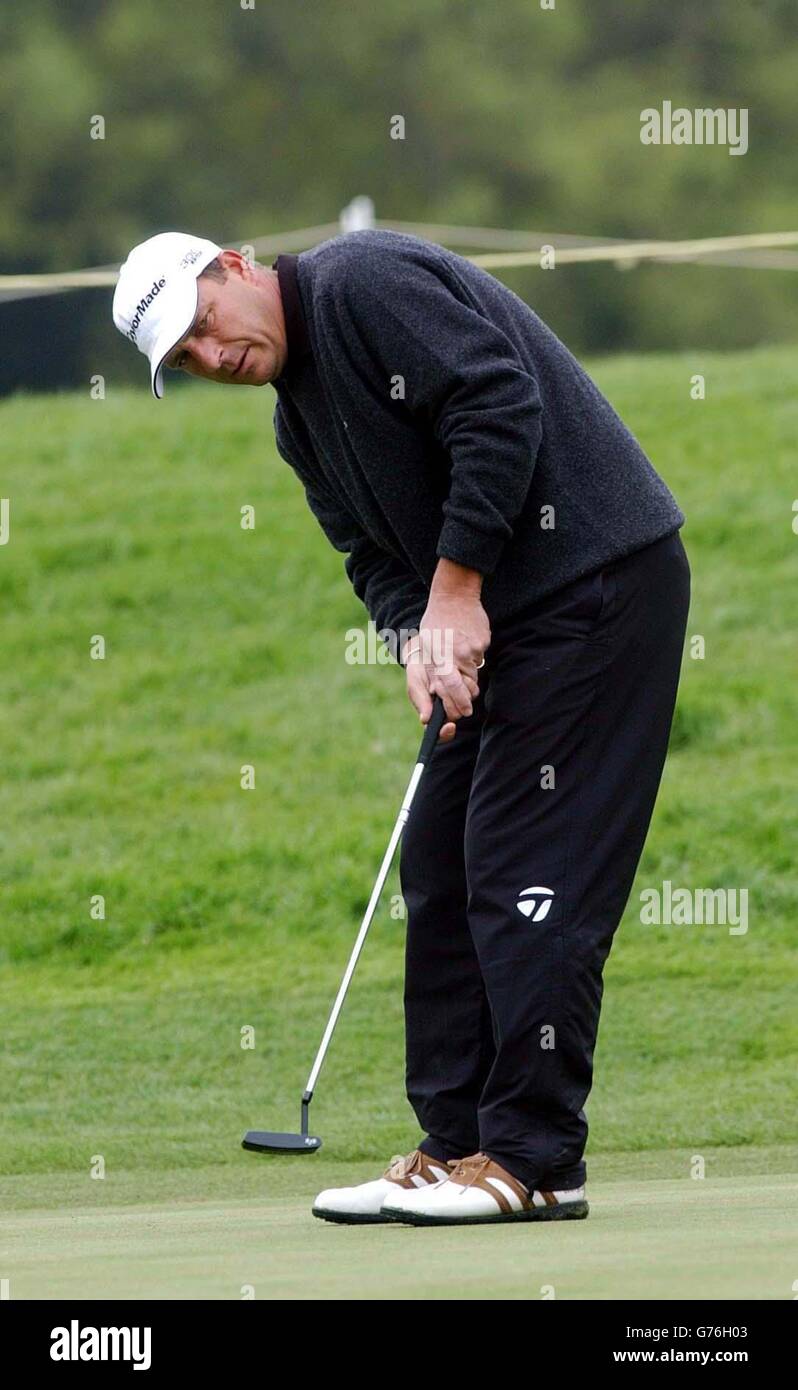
[429, 412]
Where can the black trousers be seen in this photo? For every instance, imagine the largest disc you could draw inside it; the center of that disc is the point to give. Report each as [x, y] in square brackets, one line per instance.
[518, 858]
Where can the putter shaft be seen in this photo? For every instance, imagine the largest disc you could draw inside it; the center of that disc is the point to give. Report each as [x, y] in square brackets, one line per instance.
[434, 724]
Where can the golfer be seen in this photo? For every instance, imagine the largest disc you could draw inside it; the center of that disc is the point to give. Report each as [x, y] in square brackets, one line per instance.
[521, 558]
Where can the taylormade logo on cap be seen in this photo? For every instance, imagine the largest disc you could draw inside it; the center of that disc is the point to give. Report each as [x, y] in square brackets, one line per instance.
[141, 308]
[155, 301]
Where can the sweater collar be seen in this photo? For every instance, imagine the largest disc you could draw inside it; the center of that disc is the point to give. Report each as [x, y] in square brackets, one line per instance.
[297, 339]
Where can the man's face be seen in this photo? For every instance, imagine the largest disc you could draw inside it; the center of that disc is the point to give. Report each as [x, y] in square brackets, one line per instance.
[238, 333]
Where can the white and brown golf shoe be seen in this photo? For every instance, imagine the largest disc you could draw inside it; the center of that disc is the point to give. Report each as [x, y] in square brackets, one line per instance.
[363, 1204]
[478, 1190]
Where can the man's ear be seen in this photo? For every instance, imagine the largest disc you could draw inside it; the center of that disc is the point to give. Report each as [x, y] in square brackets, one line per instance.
[234, 263]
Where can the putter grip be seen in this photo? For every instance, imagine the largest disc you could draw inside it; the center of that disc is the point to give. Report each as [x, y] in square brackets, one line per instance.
[435, 723]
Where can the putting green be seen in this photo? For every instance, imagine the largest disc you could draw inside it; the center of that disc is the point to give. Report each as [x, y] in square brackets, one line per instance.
[171, 1235]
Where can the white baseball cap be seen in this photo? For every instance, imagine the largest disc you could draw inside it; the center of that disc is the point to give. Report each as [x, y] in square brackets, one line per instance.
[155, 300]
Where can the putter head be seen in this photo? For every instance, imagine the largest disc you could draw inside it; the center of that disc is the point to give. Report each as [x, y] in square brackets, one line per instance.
[268, 1141]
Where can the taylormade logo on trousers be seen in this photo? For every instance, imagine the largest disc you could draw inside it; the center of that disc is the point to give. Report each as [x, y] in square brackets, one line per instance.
[76, 1343]
[535, 902]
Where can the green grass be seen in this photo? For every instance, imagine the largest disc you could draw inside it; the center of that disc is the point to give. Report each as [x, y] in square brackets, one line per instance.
[223, 1233]
[228, 908]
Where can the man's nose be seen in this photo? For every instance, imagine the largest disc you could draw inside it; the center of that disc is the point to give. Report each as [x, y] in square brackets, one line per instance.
[206, 354]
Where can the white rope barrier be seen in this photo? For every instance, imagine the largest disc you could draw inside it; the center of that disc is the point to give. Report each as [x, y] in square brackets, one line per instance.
[508, 249]
[642, 250]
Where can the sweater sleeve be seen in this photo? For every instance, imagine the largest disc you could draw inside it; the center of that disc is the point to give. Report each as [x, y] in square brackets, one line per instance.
[394, 597]
[462, 378]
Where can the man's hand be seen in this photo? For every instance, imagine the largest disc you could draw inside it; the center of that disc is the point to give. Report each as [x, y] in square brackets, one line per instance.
[454, 634]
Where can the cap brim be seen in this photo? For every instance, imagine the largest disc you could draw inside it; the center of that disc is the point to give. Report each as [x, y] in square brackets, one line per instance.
[179, 314]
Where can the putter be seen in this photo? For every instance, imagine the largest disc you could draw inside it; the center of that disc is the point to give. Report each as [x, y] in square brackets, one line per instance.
[270, 1141]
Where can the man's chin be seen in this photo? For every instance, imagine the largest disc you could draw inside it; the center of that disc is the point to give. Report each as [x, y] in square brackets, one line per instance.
[258, 374]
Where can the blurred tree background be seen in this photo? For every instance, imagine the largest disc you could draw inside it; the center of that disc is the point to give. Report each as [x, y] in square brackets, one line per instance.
[237, 122]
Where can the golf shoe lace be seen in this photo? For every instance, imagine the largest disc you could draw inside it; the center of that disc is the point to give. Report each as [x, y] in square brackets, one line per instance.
[403, 1164]
[464, 1171]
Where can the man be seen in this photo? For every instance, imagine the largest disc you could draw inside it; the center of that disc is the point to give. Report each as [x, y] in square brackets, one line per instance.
[493, 506]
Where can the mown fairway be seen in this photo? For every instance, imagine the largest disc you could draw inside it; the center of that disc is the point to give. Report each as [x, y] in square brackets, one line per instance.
[226, 908]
